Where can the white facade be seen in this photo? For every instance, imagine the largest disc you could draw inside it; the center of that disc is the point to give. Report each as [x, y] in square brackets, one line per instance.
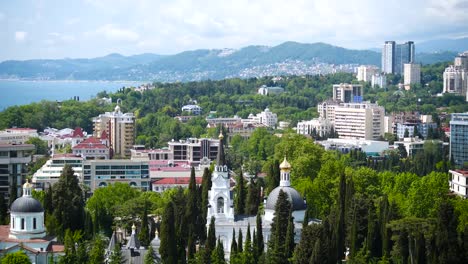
[413, 144]
[379, 80]
[266, 118]
[326, 110]
[412, 73]
[455, 80]
[365, 72]
[370, 147]
[388, 59]
[17, 135]
[359, 120]
[192, 109]
[458, 182]
[348, 93]
[321, 126]
[50, 172]
[264, 90]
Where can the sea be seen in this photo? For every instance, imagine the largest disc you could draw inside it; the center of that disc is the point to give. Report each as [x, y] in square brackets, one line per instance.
[19, 92]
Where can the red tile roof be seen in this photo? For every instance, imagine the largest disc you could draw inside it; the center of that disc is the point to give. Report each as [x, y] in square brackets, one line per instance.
[78, 132]
[176, 180]
[90, 143]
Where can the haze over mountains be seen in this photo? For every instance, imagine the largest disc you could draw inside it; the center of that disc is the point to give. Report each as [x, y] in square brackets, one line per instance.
[251, 61]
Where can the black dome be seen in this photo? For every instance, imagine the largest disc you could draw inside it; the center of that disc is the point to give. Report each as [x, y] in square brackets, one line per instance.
[293, 196]
[26, 205]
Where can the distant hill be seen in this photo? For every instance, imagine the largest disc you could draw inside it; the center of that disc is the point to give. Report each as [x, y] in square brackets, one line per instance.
[251, 61]
[440, 45]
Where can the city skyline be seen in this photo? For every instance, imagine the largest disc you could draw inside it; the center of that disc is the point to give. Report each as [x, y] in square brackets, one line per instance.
[35, 29]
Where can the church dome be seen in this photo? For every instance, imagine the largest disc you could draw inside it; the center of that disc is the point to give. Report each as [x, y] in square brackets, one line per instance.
[293, 196]
[26, 205]
[285, 165]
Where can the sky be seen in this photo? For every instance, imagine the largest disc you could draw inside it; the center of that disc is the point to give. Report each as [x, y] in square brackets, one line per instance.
[40, 29]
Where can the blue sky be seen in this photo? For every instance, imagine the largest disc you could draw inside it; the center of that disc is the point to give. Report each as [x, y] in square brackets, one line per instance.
[83, 29]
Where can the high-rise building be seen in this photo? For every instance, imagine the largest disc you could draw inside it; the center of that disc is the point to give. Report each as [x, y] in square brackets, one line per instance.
[379, 80]
[412, 74]
[394, 56]
[365, 72]
[404, 53]
[456, 76]
[388, 57]
[459, 139]
[348, 93]
[13, 166]
[359, 120]
[119, 128]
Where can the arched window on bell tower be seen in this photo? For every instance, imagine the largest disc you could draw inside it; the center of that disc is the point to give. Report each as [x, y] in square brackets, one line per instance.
[220, 205]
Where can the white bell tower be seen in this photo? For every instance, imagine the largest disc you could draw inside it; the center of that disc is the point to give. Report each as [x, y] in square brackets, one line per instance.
[220, 204]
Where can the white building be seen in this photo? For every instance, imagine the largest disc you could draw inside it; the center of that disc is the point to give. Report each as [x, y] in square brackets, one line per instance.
[92, 148]
[50, 172]
[412, 74]
[326, 109]
[266, 118]
[365, 72]
[359, 120]
[348, 93]
[458, 182]
[388, 57]
[192, 109]
[265, 90]
[27, 231]
[379, 80]
[221, 205]
[414, 145]
[370, 147]
[456, 76]
[320, 125]
[17, 135]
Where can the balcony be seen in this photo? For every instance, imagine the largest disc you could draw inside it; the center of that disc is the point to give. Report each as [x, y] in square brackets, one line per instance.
[20, 160]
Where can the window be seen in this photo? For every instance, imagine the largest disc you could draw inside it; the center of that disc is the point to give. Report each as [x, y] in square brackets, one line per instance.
[13, 222]
[22, 223]
[220, 205]
[34, 223]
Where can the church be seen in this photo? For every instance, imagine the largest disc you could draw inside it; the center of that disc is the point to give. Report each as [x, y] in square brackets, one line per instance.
[27, 232]
[221, 204]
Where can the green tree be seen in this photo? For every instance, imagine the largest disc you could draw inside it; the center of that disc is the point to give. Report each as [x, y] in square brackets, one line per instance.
[168, 248]
[96, 255]
[290, 236]
[248, 254]
[276, 244]
[260, 242]
[39, 144]
[239, 203]
[206, 186]
[68, 202]
[240, 242]
[18, 257]
[143, 236]
[116, 256]
[217, 257]
[253, 198]
[150, 256]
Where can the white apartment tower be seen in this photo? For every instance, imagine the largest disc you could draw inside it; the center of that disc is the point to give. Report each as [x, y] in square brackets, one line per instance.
[412, 74]
[394, 56]
[119, 128]
[456, 76]
[365, 72]
[388, 60]
[359, 121]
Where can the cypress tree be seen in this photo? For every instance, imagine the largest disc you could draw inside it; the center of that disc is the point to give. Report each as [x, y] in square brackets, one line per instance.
[206, 186]
[88, 231]
[447, 244]
[253, 198]
[168, 248]
[192, 215]
[339, 230]
[210, 243]
[239, 205]
[255, 247]
[96, 255]
[290, 236]
[13, 190]
[276, 244]
[116, 255]
[247, 256]
[143, 236]
[260, 242]
[150, 256]
[305, 223]
[240, 243]
[217, 257]
[233, 243]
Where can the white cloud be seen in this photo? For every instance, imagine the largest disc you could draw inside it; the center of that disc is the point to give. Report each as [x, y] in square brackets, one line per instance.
[20, 36]
[114, 33]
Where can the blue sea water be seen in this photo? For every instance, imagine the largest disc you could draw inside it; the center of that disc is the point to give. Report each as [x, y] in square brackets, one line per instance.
[18, 92]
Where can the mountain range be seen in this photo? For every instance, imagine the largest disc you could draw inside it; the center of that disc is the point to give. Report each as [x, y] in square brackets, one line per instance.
[251, 61]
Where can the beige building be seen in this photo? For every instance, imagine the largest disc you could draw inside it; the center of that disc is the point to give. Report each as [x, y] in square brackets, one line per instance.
[365, 72]
[412, 74]
[14, 161]
[119, 128]
[17, 135]
[320, 125]
[348, 93]
[456, 76]
[359, 120]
